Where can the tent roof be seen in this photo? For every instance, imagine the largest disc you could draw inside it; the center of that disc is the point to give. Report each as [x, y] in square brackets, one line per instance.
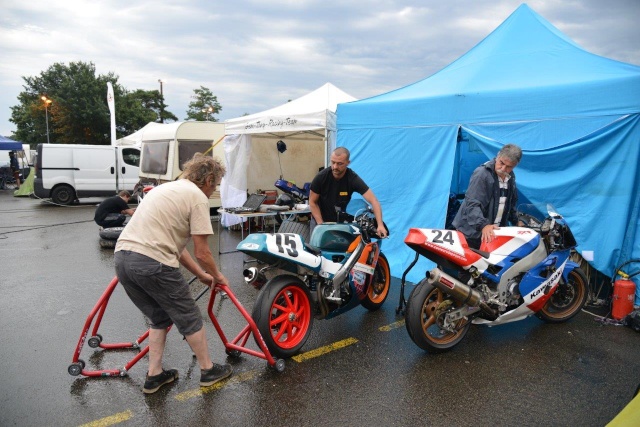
[518, 72]
[136, 137]
[314, 110]
[9, 144]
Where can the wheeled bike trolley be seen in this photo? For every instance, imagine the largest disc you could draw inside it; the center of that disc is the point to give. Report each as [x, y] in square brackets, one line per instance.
[232, 348]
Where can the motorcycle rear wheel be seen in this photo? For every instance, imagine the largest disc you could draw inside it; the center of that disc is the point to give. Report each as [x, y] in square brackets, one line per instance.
[284, 315]
[379, 288]
[567, 300]
[425, 308]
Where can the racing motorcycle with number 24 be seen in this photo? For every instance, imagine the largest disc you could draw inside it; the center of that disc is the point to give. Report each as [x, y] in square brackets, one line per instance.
[523, 271]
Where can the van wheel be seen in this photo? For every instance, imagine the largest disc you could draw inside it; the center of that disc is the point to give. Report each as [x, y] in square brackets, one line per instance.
[63, 195]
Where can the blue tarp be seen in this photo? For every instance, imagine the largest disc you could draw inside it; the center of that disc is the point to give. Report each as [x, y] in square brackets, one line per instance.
[575, 114]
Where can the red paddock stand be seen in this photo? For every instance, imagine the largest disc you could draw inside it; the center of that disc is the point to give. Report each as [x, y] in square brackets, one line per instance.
[232, 348]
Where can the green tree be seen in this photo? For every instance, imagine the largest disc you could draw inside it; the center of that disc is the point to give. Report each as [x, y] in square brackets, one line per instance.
[204, 105]
[78, 113]
[135, 109]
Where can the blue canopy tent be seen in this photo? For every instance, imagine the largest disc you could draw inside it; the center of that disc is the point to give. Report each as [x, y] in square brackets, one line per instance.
[575, 114]
[9, 144]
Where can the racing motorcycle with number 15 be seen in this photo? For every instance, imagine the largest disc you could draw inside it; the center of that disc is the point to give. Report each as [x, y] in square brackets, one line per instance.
[522, 272]
[341, 267]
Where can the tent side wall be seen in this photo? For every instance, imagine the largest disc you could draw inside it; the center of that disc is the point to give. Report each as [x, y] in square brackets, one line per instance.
[410, 171]
[299, 163]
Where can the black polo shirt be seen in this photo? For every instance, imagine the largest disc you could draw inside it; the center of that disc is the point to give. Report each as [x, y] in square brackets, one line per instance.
[336, 192]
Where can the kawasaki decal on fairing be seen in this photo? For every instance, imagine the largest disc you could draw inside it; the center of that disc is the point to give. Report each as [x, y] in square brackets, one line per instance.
[551, 281]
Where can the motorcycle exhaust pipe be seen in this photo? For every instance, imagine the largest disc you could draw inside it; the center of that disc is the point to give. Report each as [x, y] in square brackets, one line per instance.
[460, 292]
[254, 277]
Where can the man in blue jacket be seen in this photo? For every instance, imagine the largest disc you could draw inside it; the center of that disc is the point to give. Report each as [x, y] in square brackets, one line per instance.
[491, 199]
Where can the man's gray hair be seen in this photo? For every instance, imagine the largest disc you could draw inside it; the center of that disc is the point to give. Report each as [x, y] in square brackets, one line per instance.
[200, 168]
[511, 152]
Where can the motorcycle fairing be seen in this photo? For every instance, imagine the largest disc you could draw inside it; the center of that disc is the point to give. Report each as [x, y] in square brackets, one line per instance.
[270, 247]
[451, 245]
[536, 288]
[439, 245]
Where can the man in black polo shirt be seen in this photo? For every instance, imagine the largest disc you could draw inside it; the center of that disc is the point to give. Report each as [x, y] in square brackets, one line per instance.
[333, 186]
[112, 212]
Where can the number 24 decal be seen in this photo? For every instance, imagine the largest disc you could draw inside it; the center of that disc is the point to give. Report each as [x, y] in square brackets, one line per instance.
[443, 237]
[289, 244]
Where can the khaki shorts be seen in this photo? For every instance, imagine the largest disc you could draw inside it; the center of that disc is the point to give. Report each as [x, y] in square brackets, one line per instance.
[160, 292]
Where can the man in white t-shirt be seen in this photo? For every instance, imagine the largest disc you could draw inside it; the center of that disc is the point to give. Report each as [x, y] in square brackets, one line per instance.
[148, 254]
[491, 199]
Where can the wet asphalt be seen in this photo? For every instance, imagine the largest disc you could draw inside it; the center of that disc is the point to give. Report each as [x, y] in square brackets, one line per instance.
[362, 368]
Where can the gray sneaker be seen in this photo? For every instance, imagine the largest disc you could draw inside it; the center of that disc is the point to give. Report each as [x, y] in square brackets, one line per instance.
[216, 373]
[153, 384]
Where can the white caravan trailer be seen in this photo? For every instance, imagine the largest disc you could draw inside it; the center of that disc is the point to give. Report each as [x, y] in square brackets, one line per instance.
[166, 147]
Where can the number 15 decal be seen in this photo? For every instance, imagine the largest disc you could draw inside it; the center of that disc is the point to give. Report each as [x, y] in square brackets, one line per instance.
[443, 236]
[289, 244]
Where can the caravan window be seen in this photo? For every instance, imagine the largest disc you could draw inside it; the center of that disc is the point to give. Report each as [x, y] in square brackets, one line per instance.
[131, 156]
[155, 157]
[186, 150]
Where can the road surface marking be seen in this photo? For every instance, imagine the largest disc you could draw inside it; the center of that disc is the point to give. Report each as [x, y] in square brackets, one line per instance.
[111, 420]
[324, 350]
[394, 325]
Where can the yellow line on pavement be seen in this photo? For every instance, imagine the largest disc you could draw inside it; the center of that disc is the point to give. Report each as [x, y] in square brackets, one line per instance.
[394, 325]
[244, 376]
[324, 350]
[111, 420]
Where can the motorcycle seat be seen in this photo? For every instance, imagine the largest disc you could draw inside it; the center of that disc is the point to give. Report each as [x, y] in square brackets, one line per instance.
[313, 249]
[481, 253]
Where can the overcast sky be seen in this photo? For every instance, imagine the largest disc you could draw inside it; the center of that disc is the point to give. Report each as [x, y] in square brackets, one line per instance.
[256, 54]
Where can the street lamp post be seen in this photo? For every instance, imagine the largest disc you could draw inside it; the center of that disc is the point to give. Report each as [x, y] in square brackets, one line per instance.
[47, 101]
[208, 111]
[161, 102]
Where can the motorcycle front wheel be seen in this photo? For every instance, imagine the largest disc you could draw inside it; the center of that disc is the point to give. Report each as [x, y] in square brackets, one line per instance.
[567, 300]
[425, 312]
[284, 315]
[380, 284]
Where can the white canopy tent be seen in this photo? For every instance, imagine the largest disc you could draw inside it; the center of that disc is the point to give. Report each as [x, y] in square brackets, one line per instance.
[307, 125]
[135, 138]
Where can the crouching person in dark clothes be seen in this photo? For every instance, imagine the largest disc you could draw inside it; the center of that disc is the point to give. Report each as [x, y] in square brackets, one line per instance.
[112, 212]
[148, 255]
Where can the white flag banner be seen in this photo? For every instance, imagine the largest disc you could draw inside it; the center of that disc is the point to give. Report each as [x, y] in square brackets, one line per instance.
[112, 109]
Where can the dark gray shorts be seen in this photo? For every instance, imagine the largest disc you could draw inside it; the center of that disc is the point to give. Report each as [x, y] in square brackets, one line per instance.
[159, 291]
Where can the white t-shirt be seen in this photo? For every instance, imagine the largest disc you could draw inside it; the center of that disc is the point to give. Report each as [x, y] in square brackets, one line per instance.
[165, 220]
[504, 186]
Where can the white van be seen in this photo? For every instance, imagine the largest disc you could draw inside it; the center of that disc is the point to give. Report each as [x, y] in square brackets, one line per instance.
[67, 172]
[166, 147]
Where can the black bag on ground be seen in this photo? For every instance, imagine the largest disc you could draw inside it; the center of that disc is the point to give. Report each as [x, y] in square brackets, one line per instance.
[633, 320]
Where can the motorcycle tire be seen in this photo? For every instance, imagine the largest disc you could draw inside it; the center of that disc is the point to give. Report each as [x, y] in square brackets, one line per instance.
[111, 233]
[379, 287]
[422, 319]
[567, 300]
[284, 315]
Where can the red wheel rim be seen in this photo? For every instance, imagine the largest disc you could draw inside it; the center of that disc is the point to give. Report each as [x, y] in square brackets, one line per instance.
[290, 317]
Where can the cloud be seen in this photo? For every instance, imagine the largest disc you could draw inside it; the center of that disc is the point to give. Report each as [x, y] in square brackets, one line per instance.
[255, 55]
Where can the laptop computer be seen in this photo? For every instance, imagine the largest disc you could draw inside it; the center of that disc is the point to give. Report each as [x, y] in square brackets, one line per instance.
[251, 205]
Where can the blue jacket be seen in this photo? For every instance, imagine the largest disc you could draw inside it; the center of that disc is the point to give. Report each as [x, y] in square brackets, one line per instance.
[481, 201]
